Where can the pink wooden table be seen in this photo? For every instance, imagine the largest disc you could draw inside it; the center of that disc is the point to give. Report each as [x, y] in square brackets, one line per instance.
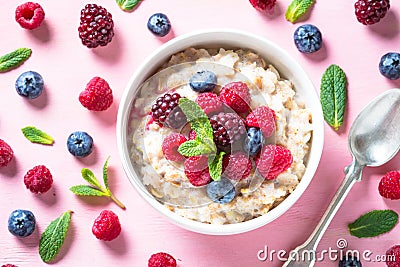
[67, 66]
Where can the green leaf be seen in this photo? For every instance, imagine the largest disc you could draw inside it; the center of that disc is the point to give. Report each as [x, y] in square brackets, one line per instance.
[127, 5]
[37, 136]
[333, 95]
[53, 237]
[105, 175]
[90, 178]
[194, 148]
[374, 223]
[297, 8]
[85, 190]
[14, 59]
[215, 166]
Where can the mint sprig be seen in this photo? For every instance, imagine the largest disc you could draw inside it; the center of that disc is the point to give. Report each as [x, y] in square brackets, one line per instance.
[35, 135]
[215, 166]
[95, 188]
[374, 223]
[14, 59]
[127, 5]
[297, 8]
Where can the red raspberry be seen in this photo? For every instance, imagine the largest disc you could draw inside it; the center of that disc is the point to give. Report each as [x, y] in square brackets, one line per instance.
[192, 135]
[393, 256]
[237, 166]
[273, 160]
[9, 265]
[389, 186]
[97, 96]
[237, 96]
[170, 146]
[371, 11]
[263, 118]
[196, 170]
[29, 15]
[38, 179]
[209, 102]
[262, 5]
[6, 153]
[162, 259]
[106, 227]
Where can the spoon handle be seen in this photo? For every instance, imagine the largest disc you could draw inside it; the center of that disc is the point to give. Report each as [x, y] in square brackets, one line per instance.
[305, 254]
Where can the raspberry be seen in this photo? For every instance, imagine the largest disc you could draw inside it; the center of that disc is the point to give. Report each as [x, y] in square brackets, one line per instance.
[209, 102]
[9, 265]
[262, 5]
[192, 135]
[106, 227]
[227, 127]
[237, 166]
[96, 26]
[393, 256]
[29, 15]
[170, 147]
[166, 111]
[237, 96]
[38, 179]
[97, 95]
[273, 161]
[263, 118]
[371, 11]
[389, 186]
[6, 154]
[196, 170]
[162, 259]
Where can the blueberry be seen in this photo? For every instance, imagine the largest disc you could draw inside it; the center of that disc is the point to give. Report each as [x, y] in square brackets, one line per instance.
[307, 38]
[29, 84]
[21, 223]
[221, 191]
[203, 81]
[349, 261]
[253, 142]
[389, 66]
[80, 144]
[159, 24]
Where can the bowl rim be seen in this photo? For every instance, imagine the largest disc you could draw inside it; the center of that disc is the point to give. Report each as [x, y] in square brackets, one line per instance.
[168, 49]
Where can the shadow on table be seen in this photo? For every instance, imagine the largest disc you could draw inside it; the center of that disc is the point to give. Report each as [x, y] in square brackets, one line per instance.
[388, 27]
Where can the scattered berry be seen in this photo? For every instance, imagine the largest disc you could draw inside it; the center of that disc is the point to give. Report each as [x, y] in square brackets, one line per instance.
[389, 66]
[167, 112]
[6, 153]
[170, 147]
[262, 5]
[307, 38]
[196, 170]
[227, 127]
[371, 11]
[203, 81]
[80, 144]
[96, 26]
[253, 142]
[97, 95]
[9, 265]
[29, 84]
[209, 102]
[221, 191]
[264, 118]
[236, 166]
[29, 15]
[389, 186]
[159, 24]
[349, 261]
[38, 179]
[106, 227]
[273, 161]
[161, 259]
[192, 135]
[21, 223]
[393, 256]
[236, 95]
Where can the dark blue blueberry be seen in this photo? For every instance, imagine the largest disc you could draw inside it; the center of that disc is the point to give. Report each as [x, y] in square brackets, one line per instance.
[21, 223]
[221, 191]
[80, 144]
[307, 38]
[29, 84]
[203, 81]
[389, 66]
[349, 261]
[253, 142]
[159, 24]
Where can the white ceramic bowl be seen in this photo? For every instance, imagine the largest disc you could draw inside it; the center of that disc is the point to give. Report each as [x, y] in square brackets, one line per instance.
[287, 67]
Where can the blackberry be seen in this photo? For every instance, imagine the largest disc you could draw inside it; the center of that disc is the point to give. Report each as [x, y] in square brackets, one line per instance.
[227, 127]
[371, 11]
[167, 112]
[96, 26]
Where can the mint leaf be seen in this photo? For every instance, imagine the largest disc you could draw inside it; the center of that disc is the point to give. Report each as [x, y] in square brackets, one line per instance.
[14, 59]
[127, 5]
[215, 166]
[194, 148]
[53, 237]
[85, 190]
[90, 178]
[37, 136]
[297, 8]
[333, 95]
[105, 175]
[374, 223]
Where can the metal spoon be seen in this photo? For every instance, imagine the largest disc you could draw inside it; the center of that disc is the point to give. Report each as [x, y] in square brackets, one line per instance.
[373, 140]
